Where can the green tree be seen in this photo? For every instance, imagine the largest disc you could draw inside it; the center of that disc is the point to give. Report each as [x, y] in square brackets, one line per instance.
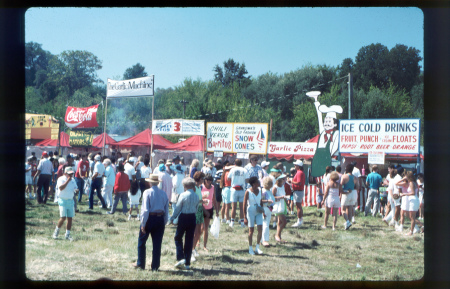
[135, 71]
[371, 67]
[346, 67]
[232, 72]
[36, 60]
[404, 68]
[73, 70]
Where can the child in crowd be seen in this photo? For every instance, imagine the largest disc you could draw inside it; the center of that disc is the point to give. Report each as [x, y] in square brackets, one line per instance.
[134, 195]
[331, 198]
[289, 190]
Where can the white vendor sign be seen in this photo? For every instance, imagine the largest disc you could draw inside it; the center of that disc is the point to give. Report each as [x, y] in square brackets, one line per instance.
[375, 158]
[399, 136]
[178, 126]
[237, 137]
[137, 87]
[296, 148]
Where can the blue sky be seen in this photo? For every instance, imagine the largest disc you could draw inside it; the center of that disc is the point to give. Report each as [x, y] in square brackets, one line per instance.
[176, 43]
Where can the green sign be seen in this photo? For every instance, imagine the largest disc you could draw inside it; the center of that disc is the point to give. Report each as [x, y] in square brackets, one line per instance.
[80, 138]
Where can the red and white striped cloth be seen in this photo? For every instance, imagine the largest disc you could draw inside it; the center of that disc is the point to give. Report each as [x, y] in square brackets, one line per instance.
[311, 192]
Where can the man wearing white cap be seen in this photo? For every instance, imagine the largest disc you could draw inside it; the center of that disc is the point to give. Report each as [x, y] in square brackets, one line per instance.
[67, 186]
[264, 167]
[298, 184]
[328, 141]
[129, 169]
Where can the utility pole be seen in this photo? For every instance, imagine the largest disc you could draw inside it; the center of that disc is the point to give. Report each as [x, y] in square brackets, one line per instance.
[350, 95]
[184, 105]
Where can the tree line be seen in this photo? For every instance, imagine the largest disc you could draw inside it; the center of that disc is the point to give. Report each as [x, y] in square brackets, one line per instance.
[387, 83]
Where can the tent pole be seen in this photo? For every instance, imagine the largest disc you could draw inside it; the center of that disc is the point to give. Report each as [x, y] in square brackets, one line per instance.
[151, 150]
[104, 127]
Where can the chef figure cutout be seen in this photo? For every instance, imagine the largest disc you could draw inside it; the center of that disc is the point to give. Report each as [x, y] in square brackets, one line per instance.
[328, 141]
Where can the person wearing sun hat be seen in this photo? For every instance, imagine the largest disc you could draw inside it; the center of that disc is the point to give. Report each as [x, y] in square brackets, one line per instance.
[154, 215]
[67, 186]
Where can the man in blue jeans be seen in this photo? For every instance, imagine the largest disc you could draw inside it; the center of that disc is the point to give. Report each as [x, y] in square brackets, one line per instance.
[99, 171]
[154, 216]
[373, 182]
[185, 211]
[82, 172]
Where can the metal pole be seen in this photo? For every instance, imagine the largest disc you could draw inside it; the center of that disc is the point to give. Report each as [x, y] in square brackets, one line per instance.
[151, 151]
[350, 95]
[104, 127]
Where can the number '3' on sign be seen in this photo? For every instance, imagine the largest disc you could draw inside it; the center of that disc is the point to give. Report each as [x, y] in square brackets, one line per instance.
[176, 126]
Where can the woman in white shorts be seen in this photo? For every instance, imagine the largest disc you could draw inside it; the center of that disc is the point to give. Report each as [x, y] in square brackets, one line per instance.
[349, 186]
[252, 198]
[331, 198]
[412, 206]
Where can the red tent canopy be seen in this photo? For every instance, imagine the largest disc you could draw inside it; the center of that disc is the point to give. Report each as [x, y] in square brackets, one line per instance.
[193, 144]
[295, 156]
[98, 141]
[63, 137]
[145, 139]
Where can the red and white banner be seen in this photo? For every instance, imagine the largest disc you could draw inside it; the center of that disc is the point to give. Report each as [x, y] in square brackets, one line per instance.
[296, 148]
[83, 117]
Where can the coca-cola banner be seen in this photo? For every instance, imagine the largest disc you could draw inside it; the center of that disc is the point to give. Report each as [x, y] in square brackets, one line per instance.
[137, 87]
[83, 117]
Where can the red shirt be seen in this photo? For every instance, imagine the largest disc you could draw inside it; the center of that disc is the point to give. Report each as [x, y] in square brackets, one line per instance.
[287, 189]
[122, 183]
[84, 169]
[60, 171]
[299, 178]
[33, 169]
[227, 181]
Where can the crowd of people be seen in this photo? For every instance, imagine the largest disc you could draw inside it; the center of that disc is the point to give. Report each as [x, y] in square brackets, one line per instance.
[197, 195]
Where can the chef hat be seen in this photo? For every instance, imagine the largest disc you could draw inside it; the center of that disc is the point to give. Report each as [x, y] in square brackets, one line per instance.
[330, 111]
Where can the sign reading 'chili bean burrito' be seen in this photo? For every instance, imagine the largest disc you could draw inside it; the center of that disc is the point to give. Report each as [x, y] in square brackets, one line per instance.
[80, 138]
[237, 137]
[399, 136]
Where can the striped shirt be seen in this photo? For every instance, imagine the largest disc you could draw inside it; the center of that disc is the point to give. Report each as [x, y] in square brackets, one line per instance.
[187, 204]
[45, 167]
[218, 175]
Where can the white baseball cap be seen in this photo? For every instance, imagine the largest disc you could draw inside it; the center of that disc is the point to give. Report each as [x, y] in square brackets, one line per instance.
[298, 163]
[264, 164]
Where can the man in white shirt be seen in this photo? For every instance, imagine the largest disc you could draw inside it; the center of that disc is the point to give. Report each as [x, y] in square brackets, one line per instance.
[98, 173]
[67, 186]
[45, 173]
[110, 177]
[129, 169]
[28, 178]
[238, 176]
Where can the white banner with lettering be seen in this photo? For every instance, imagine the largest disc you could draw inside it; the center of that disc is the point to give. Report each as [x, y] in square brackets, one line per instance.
[137, 87]
[237, 137]
[296, 148]
[399, 136]
[178, 126]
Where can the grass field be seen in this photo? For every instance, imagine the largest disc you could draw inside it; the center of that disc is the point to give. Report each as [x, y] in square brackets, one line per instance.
[105, 246]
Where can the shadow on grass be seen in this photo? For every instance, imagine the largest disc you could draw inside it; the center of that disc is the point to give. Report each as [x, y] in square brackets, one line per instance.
[30, 224]
[288, 256]
[298, 245]
[205, 272]
[231, 260]
[90, 212]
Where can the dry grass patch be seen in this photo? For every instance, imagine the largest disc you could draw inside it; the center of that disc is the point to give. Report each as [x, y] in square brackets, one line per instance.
[105, 246]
